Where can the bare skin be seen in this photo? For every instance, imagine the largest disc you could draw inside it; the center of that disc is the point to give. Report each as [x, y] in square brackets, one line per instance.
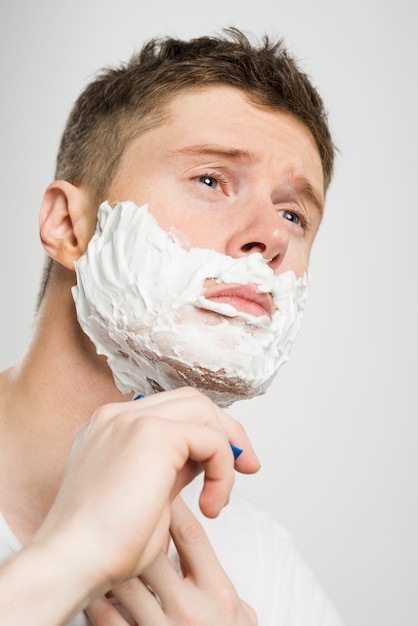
[61, 397]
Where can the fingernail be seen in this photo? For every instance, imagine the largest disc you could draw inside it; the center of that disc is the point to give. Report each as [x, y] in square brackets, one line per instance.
[138, 396]
[236, 451]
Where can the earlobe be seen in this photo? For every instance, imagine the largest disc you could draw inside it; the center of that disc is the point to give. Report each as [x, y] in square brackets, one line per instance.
[66, 222]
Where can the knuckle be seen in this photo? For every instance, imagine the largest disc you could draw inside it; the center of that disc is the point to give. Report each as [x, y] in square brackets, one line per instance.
[191, 532]
[148, 428]
[189, 616]
[102, 413]
[240, 429]
[190, 391]
[205, 402]
[227, 599]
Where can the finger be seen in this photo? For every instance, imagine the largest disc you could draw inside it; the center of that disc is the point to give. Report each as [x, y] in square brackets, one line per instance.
[247, 462]
[180, 392]
[112, 459]
[199, 409]
[102, 612]
[165, 581]
[183, 602]
[191, 405]
[211, 447]
[188, 404]
[250, 612]
[157, 400]
[194, 548]
[204, 446]
[140, 601]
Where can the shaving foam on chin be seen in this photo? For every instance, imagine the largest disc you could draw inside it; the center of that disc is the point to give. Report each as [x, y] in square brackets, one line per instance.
[139, 297]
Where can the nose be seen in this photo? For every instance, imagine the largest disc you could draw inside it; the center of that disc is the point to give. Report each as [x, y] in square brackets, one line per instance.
[261, 230]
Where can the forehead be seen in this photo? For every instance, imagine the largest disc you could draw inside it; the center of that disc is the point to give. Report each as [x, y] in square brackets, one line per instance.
[203, 121]
[207, 108]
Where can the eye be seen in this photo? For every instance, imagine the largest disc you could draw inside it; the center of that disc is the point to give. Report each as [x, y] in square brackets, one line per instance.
[291, 217]
[209, 181]
[214, 180]
[299, 219]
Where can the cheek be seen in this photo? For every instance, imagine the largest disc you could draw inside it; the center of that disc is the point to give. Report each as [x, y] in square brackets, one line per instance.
[297, 260]
[164, 211]
[140, 189]
[189, 227]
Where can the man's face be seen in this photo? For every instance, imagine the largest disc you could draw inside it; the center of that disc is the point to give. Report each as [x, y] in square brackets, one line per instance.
[229, 176]
[170, 288]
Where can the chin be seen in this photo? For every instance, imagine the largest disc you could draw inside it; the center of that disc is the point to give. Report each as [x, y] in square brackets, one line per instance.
[222, 389]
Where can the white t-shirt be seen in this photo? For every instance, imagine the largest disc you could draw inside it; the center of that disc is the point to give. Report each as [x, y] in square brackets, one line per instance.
[259, 557]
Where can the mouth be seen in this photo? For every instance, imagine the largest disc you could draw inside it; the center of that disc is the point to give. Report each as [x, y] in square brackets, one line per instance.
[243, 298]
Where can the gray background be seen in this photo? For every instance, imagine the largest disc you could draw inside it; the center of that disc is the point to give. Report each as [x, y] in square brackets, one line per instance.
[337, 433]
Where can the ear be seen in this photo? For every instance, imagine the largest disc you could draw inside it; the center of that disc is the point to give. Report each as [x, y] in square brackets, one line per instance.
[67, 221]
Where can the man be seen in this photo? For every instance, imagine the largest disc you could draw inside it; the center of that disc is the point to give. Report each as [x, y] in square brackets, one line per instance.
[210, 160]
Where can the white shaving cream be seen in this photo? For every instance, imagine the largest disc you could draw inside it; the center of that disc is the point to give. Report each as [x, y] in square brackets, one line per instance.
[139, 297]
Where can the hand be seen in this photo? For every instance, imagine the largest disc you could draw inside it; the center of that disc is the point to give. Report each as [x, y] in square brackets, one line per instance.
[112, 512]
[205, 596]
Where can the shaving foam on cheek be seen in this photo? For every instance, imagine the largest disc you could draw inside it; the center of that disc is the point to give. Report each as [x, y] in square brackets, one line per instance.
[139, 297]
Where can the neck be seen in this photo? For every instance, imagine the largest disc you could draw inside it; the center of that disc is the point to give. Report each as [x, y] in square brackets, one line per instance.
[43, 400]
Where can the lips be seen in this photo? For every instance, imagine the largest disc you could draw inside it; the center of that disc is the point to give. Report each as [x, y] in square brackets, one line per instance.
[243, 298]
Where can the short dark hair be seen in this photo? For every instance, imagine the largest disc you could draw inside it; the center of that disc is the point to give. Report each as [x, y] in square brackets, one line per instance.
[122, 102]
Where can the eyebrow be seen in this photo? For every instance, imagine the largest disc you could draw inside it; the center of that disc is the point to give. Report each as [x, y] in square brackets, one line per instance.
[236, 154]
[303, 186]
[299, 183]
